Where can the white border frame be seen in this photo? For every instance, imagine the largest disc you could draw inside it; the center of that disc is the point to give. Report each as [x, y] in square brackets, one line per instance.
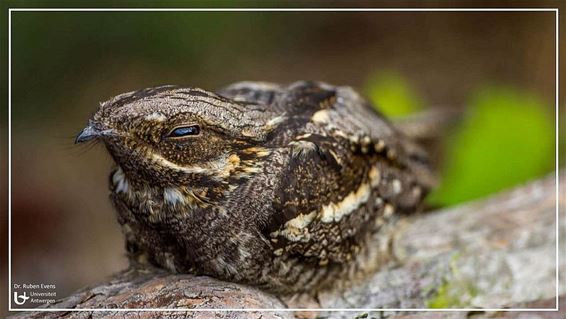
[10, 10]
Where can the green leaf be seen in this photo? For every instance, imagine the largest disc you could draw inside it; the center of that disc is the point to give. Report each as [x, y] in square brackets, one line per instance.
[506, 139]
[392, 94]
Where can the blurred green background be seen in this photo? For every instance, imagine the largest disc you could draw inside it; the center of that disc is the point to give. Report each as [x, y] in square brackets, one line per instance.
[496, 67]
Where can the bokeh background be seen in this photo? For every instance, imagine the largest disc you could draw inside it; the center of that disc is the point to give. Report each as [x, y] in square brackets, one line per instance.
[498, 67]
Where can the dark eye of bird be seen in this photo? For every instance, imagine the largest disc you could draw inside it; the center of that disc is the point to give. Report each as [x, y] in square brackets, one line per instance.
[182, 131]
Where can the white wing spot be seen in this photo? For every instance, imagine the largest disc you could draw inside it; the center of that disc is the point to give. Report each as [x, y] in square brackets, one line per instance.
[333, 212]
[397, 187]
[374, 176]
[388, 210]
[296, 228]
[320, 117]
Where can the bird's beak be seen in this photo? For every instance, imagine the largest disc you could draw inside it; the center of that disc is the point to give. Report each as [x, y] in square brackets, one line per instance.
[87, 134]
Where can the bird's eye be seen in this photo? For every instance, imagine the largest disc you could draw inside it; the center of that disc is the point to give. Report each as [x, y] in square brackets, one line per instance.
[183, 131]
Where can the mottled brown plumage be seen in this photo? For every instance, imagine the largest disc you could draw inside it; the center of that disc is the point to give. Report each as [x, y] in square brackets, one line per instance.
[280, 187]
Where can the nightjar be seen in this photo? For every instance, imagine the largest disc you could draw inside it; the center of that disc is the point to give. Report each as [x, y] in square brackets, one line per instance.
[276, 186]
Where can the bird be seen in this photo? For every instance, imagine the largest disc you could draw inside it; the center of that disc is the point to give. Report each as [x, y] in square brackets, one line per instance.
[278, 186]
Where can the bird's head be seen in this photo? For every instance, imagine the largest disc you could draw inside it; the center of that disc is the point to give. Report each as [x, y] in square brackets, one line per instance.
[176, 136]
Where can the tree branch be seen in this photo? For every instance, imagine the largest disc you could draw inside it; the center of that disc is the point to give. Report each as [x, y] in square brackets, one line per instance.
[492, 253]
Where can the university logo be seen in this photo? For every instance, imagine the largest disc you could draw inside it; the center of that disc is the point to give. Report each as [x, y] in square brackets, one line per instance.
[20, 299]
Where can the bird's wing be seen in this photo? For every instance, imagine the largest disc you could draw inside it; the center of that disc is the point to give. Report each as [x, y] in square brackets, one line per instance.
[369, 131]
[341, 113]
[345, 175]
[323, 200]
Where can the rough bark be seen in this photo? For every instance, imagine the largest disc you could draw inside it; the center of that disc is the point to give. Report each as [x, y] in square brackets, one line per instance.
[493, 253]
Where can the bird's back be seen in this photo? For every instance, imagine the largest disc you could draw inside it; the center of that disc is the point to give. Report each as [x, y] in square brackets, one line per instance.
[337, 172]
